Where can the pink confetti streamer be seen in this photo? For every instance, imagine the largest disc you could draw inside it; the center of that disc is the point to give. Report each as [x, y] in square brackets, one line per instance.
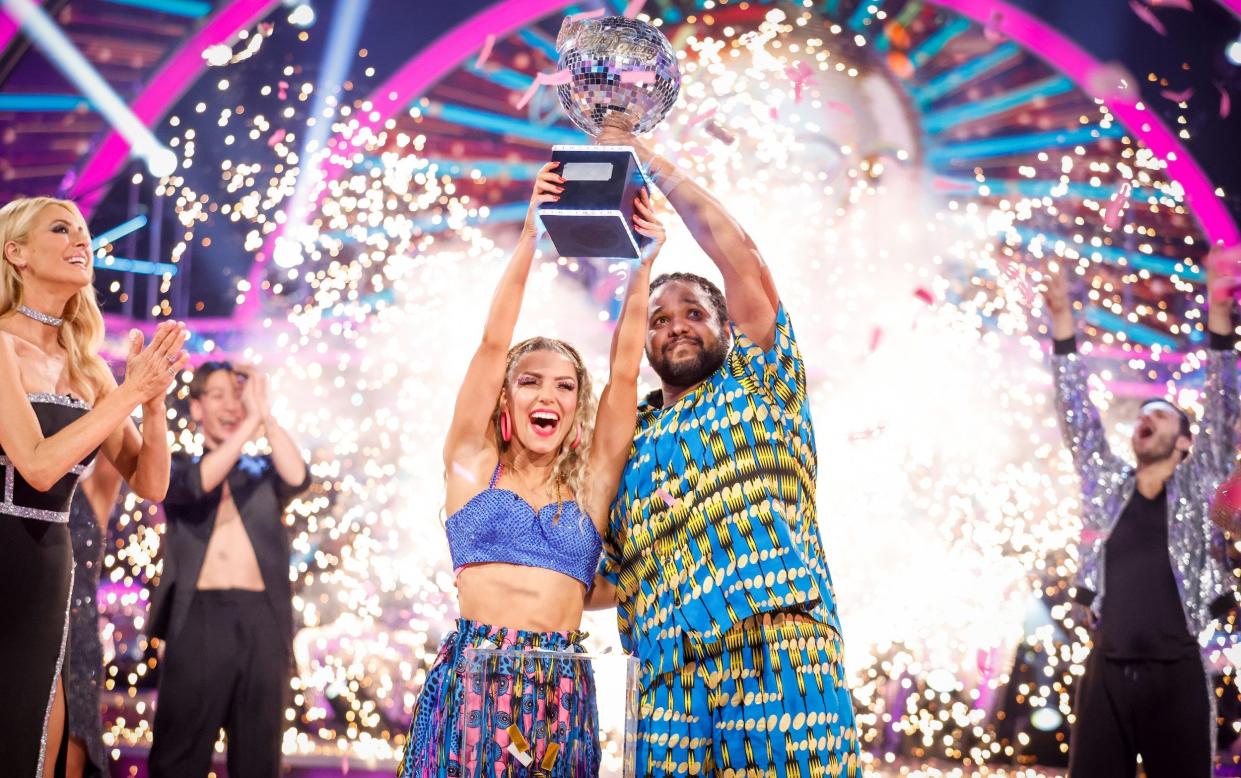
[775, 113]
[703, 116]
[924, 295]
[282, 88]
[634, 8]
[1148, 16]
[1178, 97]
[1091, 535]
[1111, 217]
[486, 52]
[876, 336]
[867, 434]
[544, 79]
[276, 137]
[717, 131]
[668, 499]
[843, 108]
[800, 74]
[584, 15]
[1225, 102]
[638, 77]
[1184, 5]
[991, 30]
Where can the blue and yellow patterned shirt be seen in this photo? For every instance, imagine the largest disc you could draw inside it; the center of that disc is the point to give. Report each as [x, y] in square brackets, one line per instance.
[715, 519]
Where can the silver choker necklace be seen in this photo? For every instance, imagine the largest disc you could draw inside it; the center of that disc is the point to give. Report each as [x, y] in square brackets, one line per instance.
[42, 318]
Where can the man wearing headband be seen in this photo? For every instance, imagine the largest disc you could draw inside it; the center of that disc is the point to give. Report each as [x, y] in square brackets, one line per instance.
[224, 603]
[1149, 581]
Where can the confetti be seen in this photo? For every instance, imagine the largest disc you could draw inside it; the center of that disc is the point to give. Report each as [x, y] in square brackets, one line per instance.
[638, 77]
[544, 79]
[668, 499]
[1183, 5]
[876, 335]
[869, 433]
[924, 294]
[1146, 15]
[1178, 97]
[1225, 102]
[702, 116]
[486, 52]
[841, 108]
[1116, 205]
[633, 9]
[993, 29]
[717, 131]
[584, 15]
[800, 74]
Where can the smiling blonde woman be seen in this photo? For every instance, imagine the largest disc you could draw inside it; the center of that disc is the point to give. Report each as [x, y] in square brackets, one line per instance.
[59, 408]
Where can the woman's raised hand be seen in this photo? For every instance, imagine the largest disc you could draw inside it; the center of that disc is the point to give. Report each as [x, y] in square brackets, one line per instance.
[547, 189]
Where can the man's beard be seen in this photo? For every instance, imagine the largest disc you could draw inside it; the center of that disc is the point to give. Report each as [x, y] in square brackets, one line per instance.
[1157, 453]
[690, 372]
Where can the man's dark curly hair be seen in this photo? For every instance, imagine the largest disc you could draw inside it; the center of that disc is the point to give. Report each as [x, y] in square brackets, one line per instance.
[715, 298]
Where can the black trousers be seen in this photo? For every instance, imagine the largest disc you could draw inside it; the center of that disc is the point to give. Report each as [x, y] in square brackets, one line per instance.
[227, 667]
[1161, 710]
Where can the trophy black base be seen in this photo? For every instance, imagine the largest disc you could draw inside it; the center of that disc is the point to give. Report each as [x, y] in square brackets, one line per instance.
[594, 216]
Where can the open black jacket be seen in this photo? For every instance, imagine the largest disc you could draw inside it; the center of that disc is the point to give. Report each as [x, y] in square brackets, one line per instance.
[261, 496]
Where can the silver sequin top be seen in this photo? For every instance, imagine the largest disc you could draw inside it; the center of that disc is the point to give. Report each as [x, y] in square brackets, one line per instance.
[1194, 542]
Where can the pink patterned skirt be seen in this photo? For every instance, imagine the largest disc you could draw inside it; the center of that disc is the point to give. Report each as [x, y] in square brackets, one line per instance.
[505, 716]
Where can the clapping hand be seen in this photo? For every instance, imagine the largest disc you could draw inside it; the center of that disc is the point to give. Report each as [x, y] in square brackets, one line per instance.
[150, 370]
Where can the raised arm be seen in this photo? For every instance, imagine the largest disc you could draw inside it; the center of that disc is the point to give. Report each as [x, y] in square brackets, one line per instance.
[748, 285]
[1080, 425]
[618, 405]
[43, 461]
[471, 419]
[1215, 443]
[286, 457]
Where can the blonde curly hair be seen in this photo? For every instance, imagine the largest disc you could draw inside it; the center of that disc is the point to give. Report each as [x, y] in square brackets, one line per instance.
[569, 471]
[81, 335]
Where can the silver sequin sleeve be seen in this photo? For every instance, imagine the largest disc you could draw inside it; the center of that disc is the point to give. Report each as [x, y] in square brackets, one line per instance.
[1195, 544]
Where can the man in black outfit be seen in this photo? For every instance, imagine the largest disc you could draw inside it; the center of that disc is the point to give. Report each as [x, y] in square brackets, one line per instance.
[224, 604]
[1145, 690]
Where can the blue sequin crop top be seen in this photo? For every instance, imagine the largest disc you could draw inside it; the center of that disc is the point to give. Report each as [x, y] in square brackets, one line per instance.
[497, 525]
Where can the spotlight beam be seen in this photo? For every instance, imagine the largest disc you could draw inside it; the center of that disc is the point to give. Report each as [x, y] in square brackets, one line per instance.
[57, 47]
[338, 55]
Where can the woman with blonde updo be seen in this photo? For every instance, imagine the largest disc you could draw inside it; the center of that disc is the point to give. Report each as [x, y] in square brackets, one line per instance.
[59, 407]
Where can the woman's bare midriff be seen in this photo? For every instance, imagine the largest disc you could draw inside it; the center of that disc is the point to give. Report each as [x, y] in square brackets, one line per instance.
[520, 597]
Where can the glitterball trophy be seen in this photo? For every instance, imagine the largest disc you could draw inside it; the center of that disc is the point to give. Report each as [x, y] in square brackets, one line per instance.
[621, 70]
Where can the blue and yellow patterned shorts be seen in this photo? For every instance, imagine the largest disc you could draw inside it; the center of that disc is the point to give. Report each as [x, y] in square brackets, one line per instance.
[767, 700]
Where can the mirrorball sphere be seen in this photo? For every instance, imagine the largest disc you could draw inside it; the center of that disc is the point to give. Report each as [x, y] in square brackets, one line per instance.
[597, 52]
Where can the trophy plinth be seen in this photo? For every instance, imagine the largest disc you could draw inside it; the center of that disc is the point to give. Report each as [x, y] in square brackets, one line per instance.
[594, 216]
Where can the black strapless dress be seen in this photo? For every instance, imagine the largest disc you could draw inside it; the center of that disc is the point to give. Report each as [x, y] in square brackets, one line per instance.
[36, 579]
